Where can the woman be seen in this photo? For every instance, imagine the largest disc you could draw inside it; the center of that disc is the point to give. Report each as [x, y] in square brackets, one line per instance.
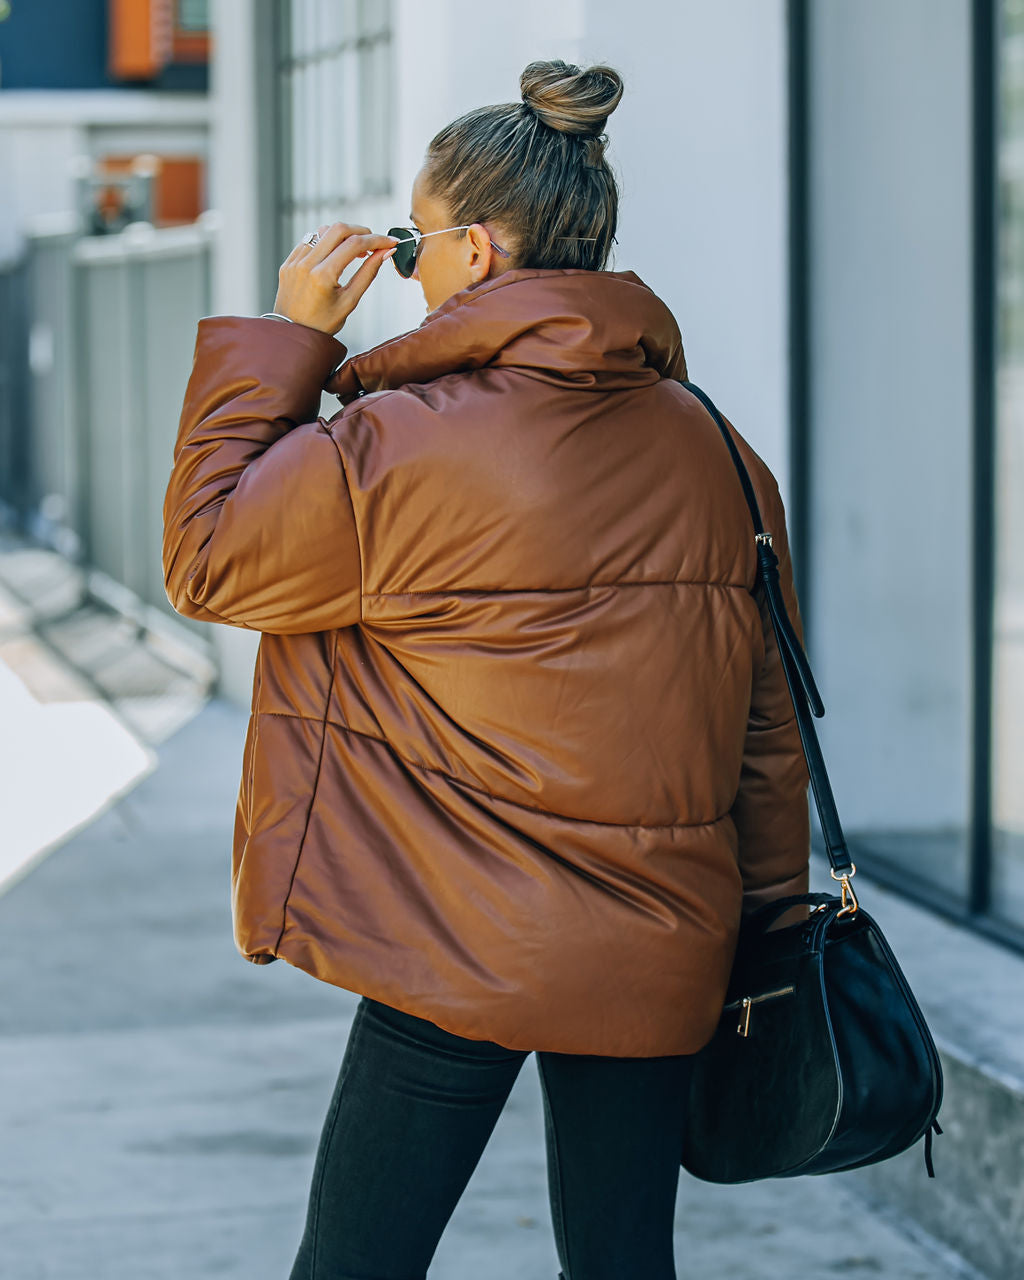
[521, 749]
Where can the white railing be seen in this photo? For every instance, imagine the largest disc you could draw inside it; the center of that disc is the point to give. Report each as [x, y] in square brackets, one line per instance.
[111, 327]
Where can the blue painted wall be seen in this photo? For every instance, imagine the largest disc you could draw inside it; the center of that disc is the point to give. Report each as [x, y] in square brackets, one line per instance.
[62, 44]
[55, 44]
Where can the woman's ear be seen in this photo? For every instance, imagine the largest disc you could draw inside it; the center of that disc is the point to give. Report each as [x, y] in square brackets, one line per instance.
[479, 252]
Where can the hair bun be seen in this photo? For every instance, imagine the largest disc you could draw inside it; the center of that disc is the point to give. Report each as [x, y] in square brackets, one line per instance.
[569, 99]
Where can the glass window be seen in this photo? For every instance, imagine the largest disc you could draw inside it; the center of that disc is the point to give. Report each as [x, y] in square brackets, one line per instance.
[335, 88]
[1007, 895]
[889, 604]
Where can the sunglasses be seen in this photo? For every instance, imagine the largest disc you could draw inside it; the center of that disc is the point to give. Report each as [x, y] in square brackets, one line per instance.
[409, 238]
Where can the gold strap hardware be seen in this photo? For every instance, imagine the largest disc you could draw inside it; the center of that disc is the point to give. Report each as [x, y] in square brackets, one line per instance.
[849, 898]
[763, 537]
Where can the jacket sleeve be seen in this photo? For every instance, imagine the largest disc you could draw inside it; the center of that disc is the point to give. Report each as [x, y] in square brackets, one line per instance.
[258, 526]
[771, 810]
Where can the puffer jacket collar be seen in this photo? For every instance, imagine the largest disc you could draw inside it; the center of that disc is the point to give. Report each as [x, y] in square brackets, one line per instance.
[600, 330]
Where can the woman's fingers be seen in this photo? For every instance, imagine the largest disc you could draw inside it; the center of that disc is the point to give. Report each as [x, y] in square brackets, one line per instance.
[347, 249]
[332, 237]
[310, 288]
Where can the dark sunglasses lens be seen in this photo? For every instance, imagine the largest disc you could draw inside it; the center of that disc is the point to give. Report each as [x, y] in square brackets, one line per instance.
[405, 255]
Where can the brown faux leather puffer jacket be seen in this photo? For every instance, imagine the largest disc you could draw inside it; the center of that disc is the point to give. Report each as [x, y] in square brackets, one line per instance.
[521, 745]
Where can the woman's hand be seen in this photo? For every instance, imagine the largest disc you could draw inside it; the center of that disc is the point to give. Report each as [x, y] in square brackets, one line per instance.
[309, 289]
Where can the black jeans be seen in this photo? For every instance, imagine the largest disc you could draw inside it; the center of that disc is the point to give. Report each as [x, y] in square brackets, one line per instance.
[411, 1113]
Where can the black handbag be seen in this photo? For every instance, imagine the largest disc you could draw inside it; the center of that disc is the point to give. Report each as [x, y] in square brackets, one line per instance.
[822, 1060]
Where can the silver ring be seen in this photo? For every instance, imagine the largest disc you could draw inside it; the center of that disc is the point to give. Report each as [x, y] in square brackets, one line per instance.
[313, 238]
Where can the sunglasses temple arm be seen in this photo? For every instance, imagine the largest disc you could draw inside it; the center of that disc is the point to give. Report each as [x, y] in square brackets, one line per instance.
[423, 235]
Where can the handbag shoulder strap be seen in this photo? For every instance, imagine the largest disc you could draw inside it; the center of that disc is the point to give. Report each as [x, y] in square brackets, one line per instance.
[802, 689]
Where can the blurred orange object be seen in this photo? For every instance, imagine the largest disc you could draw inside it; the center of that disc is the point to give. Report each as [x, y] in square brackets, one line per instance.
[144, 37]
[178, 183]
[141, 38]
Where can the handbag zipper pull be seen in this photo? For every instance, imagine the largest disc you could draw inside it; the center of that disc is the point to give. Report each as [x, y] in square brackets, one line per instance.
[746, 1004]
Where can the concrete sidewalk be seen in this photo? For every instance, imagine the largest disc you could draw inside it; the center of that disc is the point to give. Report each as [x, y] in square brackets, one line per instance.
[161, 1098]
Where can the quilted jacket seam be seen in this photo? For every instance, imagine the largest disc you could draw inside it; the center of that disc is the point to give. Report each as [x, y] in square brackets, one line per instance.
[312, 795]
[458, 782]
[589, 586]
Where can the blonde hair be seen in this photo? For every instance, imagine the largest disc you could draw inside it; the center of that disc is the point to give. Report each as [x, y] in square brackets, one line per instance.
[537, 167]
